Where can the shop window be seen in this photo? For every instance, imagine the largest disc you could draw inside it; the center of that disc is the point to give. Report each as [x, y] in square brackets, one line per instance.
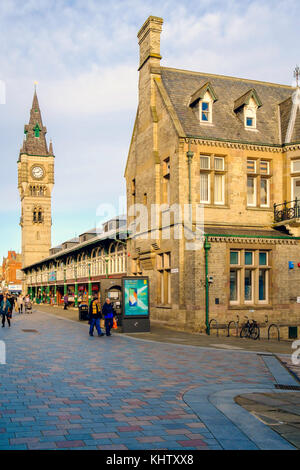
[249, 277]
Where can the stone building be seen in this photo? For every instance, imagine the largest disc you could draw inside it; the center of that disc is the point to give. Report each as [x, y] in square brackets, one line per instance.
[11, 268]
[35, 184]
[93, 263]
[229, 150]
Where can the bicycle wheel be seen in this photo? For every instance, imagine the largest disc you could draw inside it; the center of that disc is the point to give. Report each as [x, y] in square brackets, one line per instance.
[244, 332]
[255, 332]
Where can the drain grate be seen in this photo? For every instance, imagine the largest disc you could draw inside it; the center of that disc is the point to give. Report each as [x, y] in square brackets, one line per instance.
[287, 387]
[30, 331]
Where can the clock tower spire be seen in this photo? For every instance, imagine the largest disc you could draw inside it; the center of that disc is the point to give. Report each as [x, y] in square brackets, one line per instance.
[35, 184]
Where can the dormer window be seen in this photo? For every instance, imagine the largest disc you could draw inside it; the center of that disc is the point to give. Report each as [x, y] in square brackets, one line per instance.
[250, 115]
[202, 102]
[246, 108]
[205, 111]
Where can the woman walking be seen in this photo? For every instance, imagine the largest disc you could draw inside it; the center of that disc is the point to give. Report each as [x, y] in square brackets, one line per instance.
[5, 309]
[20, 303]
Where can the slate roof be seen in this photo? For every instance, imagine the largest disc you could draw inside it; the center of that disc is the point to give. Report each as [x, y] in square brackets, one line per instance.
[227, 125]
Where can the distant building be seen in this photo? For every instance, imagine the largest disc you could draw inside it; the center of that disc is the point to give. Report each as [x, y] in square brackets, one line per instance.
[11, 269]
[91, 264]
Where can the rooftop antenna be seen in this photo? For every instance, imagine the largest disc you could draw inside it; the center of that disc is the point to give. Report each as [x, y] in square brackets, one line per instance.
[297, 75]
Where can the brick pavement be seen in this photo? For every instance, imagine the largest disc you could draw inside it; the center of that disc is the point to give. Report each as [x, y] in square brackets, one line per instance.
[62, 389]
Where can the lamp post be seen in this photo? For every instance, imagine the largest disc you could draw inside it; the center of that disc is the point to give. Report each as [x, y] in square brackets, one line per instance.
[106, 265]
[76, 287]
[90, 284]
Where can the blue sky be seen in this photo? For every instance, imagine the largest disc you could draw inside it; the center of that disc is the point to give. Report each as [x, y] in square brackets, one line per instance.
[84, 55]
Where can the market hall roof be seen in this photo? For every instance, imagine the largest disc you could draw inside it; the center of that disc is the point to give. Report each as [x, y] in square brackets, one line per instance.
[182, 85]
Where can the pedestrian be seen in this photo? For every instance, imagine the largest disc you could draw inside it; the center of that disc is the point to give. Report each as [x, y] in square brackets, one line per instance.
[5, 308]
[94, 317]
[108, 312]
[20, 303]
[28, 305]
[11, 300]
[66, 301]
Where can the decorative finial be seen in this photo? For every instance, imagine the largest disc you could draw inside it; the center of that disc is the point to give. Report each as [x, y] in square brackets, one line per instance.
[297, 75]
[35, 84]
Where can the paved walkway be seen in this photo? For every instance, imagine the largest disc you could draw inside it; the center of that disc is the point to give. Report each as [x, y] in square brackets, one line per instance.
[62, 389]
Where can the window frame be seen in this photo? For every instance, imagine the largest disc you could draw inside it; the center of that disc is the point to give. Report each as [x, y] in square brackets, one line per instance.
[254, 269]
[211, 171]
[258, 176]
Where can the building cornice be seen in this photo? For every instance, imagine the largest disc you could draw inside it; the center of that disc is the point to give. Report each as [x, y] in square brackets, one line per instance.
[243, 145]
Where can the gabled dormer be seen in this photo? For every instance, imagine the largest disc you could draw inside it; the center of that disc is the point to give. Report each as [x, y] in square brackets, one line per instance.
[202, 102]
[246, 108]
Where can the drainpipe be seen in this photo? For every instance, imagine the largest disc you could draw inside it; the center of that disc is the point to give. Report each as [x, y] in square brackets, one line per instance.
[207, 247]
[190, 155]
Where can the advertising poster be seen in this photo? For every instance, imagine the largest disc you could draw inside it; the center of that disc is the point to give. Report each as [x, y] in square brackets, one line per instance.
[52, 276]
[136, 297]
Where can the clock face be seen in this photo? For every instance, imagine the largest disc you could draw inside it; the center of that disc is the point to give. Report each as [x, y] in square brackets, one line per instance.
[37, 172]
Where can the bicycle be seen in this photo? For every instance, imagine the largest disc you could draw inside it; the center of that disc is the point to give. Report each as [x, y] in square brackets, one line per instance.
[250, 330]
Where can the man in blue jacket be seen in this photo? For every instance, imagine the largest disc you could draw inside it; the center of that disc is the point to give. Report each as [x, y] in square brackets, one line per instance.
[5, 310]
[108, 312]
[94, 317]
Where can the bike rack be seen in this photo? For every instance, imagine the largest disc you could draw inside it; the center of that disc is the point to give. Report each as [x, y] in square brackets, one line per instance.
[236, 326]
[278, 331]
[213, 319]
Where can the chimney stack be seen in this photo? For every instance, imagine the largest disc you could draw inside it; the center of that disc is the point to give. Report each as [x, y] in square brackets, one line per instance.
[149, 40]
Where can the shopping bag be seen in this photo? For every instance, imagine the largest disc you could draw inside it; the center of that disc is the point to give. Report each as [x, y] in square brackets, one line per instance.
[102, 323]
[115, 325]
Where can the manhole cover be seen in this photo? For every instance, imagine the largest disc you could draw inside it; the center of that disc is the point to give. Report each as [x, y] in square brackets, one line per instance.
[287, 387]
[30, 331]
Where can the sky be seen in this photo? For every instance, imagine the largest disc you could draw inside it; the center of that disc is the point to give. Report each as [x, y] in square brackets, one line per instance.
[84, 56]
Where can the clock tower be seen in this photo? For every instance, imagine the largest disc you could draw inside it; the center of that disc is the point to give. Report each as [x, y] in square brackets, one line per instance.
[35, 184]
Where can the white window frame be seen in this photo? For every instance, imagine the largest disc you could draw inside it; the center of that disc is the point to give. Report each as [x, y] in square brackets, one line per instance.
[207, 157]
[250, 112]
[268, 192]
[222, 202]
[268, 168]
[238, 285]
[292, 165]
[209, 112]
[223, 163]
[208, 188]
[264, 268]
[248, 268]
[254, 191]
[255, 164]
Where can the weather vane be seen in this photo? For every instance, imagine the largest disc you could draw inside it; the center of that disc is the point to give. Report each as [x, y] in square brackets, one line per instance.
[297, 74]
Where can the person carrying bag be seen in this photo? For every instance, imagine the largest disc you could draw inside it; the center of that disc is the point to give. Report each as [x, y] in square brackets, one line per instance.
[94, 317]
[5, 310]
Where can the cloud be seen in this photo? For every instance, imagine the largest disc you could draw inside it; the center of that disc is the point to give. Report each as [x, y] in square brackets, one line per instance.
[84, 55]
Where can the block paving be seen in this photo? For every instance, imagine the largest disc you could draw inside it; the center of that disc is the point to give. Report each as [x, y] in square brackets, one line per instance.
[62, 389]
